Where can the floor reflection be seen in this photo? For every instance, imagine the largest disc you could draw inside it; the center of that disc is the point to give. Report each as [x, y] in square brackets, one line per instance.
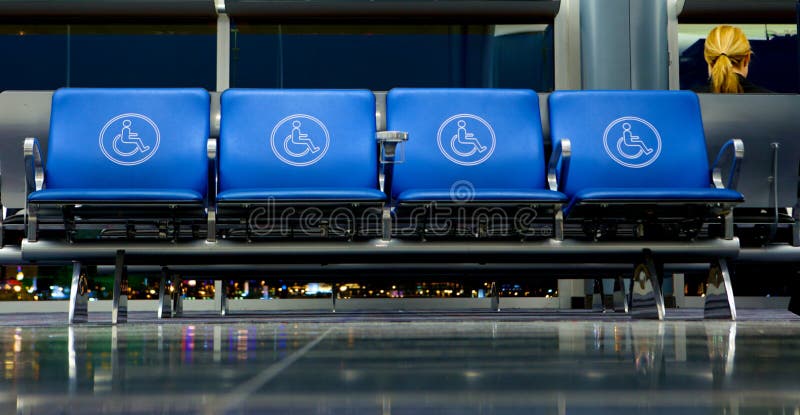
[403, 367]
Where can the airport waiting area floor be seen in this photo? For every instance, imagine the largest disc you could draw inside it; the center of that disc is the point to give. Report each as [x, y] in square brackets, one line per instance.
[471, 362]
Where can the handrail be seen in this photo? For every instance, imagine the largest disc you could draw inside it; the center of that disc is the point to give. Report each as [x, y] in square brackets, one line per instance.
[734, 149]
[34, 167]
[558, 167]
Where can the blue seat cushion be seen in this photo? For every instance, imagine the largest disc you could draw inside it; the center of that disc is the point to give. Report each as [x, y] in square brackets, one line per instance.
[481, 195]
[301, 194]
[122, 195]
[655, 196]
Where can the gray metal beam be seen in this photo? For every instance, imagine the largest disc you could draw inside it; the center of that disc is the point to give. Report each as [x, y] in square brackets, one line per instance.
[440, 12]
[375, 252]
[770, 253]
[12, 255]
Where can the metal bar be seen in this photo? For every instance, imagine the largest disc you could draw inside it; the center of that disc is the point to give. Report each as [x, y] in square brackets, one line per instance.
[78, 298]
[119, 307]
[223, 52]
[220, 298]
[377, 251]
[103, 10]
[742, 11]
[441, 12]
[623, 287]
[770, 253]
[164, 298]
[647, 301]
[719, 302]
[12, 255]
[177, 296]
[495, 292]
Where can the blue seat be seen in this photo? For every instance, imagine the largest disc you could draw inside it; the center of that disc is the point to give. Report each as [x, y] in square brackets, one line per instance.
[298, 145]
[124, 147]
[469, 144]
[635, 148]
[470, 147]
[295, 148]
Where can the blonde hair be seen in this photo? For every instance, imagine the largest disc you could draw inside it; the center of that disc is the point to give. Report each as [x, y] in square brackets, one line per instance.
[726, 47]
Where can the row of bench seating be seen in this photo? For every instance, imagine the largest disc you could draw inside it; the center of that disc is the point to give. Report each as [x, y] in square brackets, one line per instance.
[133, 163]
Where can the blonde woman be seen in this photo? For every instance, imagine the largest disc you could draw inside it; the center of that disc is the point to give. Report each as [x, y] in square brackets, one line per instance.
[727, 53]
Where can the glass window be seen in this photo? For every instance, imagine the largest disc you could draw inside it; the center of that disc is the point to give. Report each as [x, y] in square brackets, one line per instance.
[52, 56]
[773, 65]
[388, 56]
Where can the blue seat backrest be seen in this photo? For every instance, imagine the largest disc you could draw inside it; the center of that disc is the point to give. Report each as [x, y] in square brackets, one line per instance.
[491, 138]
[631, 139]
[297, 139]
[128, 139]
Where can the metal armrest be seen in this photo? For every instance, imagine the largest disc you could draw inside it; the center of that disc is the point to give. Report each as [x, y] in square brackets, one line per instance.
[34, 168]
[737, 147]
[558, 167]
[211, 192]
[388, 141]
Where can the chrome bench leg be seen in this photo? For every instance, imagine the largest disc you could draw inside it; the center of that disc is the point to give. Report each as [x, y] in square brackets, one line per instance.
[647, 302]
[33, 223]
[164, 297]
[719, 301]
[119, 310]
[495, 291]
[220, 297]
[78, 296]
[624, 288]
[177, 296]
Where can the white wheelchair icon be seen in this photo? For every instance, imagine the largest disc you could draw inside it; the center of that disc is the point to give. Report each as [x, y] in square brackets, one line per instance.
[298, 138]
[629, 141]
[464, 138]
[128, 137]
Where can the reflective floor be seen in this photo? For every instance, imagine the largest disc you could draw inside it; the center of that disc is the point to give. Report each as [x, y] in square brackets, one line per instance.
[401, 363]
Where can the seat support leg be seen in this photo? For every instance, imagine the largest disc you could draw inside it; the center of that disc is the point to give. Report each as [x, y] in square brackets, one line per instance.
[33, 223]
[719, 302]
[220, 298]
[177, 296]
[386, 224]
[647, 301]
[558, 226]
[624, 289]
[495, 305]
[729, 225]
[334, 294]
[78, 297]
[211, 235]
[119, 310]
[796, 225]
[164, 297]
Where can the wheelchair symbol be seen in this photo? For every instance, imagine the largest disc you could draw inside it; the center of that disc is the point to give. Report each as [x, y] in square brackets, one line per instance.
[299, 140]
[465, 138]
[126, 136]
[468, 141]
[632, 142]
[129, 139]
[629, 140]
